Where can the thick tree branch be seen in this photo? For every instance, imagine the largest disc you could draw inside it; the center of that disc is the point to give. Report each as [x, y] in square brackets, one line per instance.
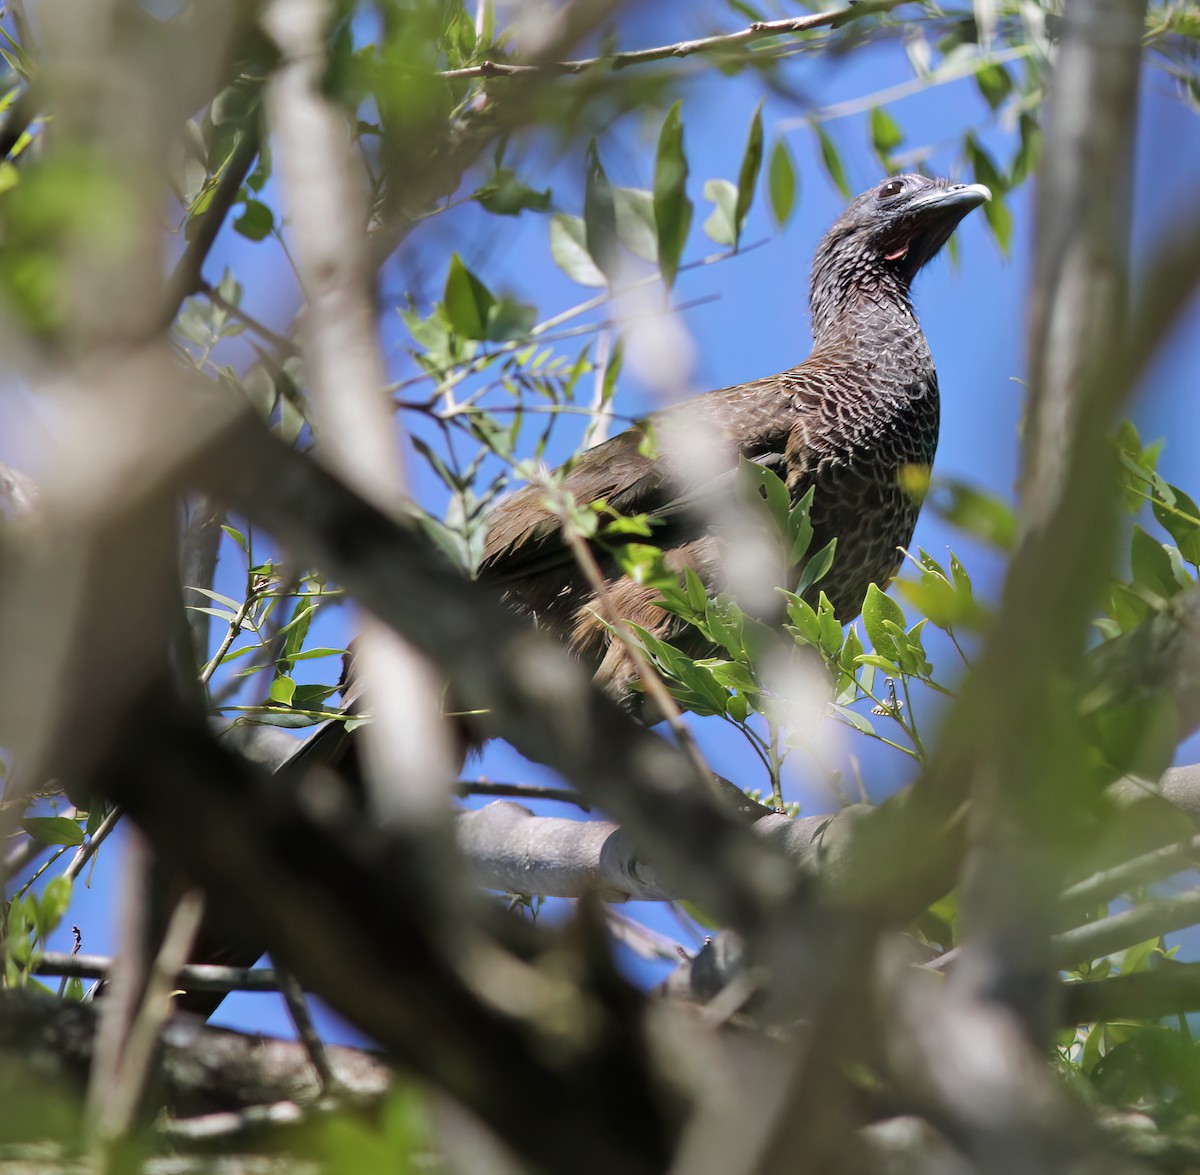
[407, 753]
[510, 849]
[198, 1070]
[1017, 717]
[332, 897]
[538, 697]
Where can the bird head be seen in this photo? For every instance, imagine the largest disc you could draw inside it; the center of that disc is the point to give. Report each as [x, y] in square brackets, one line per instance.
[885, 236]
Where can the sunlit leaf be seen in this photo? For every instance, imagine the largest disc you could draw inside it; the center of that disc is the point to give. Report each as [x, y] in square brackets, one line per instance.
[781, 183]
[721, 225]
[832, 161]
[568, 247]
[879, 608]
[506, 195]
[600, 216]
[256, 222]
[672, 207]
[467, 300]
[994, 83]
[53, 830]
[748, 172]
[635, 222]
[886, 135]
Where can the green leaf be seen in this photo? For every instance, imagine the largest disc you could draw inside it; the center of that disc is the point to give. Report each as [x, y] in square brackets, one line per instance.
[806, 624]
[1025, 160]
[505, 195]
[235, 103]
[947, 601]
[283, 689]
[1152, 567]
[56, 897]
[1000, 221]
[721, 225]
[1135, 734]
[296, 630]
[984, 167]
[781, 183]
[878, 609]
[762, 487]
[509, 319]
[999, 217]
[237, 537]
[568, 247]
[832, 637]
[994, 83]
[256, 222]
[982, 515]
[855, 719]
[1139, 957]
[459, 39]
[816, 568]
[832, 161]
[310, 697]
[1180, 518]
[467, 300]
[748, 173]
[886, 135]
[799, 529]
[672, 208]
[600, 216]
[847, 684]
[635, 222]
[53, 830]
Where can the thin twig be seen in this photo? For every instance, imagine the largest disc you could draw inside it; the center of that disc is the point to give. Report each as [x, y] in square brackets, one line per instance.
[306, 1030]
[235, 626]
[540, 331]
[192, 977]
[120, 1102]
[87, 851]
[650, 678]
[1144, 870]
[601, 406]
[522, 791]
[186, 278]
[1128, 928]
[281, 344]
[956, 72]
[758, 31]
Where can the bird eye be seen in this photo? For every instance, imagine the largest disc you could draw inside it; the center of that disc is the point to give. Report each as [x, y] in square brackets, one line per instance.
[891, 188]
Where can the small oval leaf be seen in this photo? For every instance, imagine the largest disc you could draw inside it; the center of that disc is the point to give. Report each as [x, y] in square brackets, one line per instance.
[568, 247]
[781, 183]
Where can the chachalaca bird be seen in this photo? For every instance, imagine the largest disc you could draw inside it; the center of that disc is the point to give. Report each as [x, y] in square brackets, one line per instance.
[854, 420]
[857, 421]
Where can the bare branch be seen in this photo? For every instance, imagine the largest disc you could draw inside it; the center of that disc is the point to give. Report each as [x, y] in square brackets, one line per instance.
[408, 750]
[538, 697]
[758, 31]
[1016, 713]
[197, 1069]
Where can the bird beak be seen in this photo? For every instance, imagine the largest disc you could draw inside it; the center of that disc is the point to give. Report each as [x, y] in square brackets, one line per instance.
[960, 198]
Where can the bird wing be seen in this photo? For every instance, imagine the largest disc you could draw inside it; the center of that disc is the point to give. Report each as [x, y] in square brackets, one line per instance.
[637, 471]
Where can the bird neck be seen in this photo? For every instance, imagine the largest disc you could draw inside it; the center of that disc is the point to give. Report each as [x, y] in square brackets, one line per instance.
[856, 321]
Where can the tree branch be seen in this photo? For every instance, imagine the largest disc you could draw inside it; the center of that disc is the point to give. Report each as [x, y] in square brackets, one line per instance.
[757, 31]
[539, 699]
[332, 897]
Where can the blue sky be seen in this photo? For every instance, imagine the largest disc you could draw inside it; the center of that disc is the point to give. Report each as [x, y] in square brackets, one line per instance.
[974, 317]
